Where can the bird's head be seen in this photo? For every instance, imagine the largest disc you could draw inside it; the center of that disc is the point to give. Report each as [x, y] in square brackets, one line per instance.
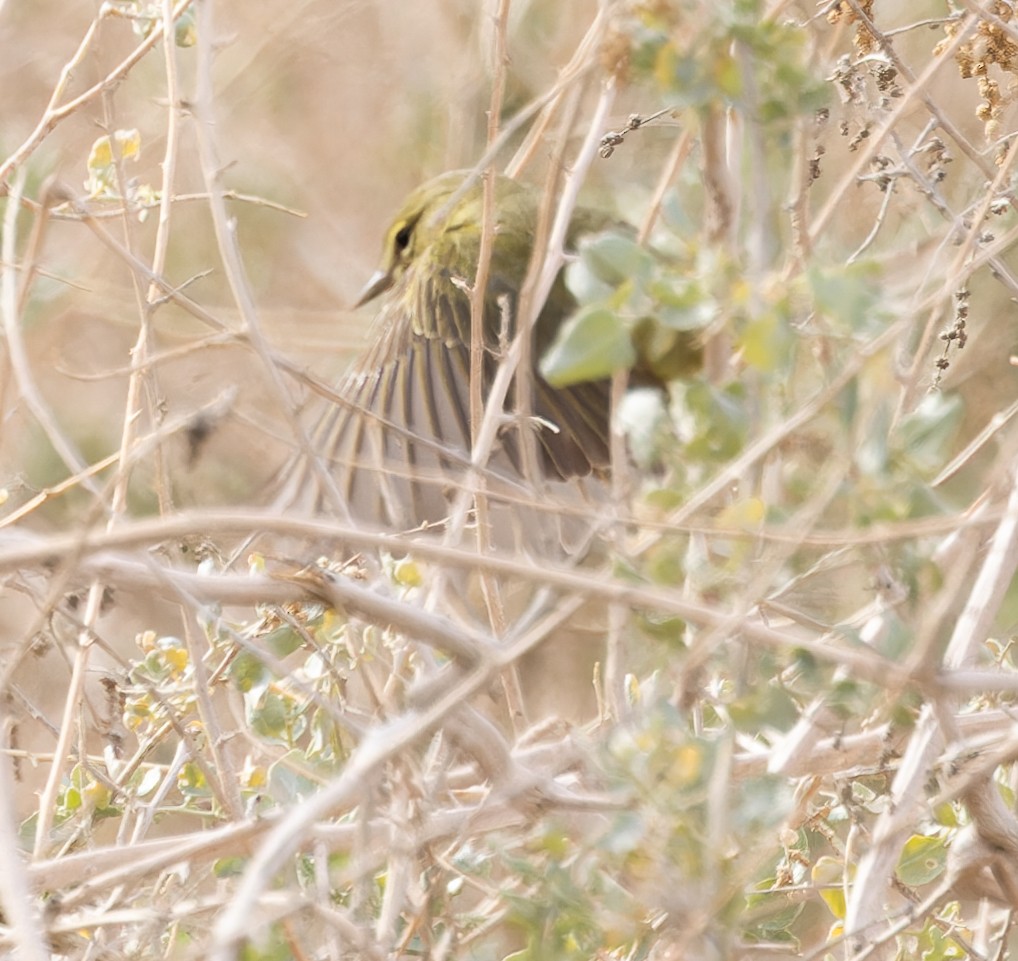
[426, 216]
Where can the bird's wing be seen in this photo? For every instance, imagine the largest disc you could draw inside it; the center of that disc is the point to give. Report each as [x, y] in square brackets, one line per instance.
[398, 443]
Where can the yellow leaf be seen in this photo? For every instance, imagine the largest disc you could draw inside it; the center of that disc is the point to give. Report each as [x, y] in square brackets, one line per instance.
[828, 875]
[128, 142]
[746, 514]
[686, 766]
[407, 573]
[96, 796]
[128, 147]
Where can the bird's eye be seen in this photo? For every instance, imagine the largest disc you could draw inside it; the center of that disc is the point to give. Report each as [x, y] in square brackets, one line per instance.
[402, 238]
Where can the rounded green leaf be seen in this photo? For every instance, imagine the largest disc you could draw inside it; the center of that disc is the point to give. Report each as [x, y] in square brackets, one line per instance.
[615, 258]
[591, 344]
[922, 860]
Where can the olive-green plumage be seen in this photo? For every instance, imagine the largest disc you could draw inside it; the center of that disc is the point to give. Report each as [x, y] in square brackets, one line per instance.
[401, 438]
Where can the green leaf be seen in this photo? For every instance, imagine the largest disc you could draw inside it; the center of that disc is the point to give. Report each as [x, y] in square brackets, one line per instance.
[191, 781]
[286, 784]
[615, 258]
[248, 672]
[727, 76]
[585, 285]
[228, 867]
[947, 815]
[682, 304]
[270, 718]
[764, 343]
[591, 344]
[922, 860]
[185, 30]
[284, 640]
[941, 946]
[772, 915]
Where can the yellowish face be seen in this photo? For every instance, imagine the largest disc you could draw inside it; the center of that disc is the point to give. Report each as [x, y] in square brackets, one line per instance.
[413, 230]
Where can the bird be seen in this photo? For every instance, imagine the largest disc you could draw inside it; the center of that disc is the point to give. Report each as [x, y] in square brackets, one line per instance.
[398, 441]
[394, 449]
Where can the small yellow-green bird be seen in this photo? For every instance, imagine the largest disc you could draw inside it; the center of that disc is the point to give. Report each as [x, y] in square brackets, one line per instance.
[400, 440]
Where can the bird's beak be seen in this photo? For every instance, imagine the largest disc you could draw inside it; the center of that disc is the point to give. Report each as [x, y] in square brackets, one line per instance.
[379, 282]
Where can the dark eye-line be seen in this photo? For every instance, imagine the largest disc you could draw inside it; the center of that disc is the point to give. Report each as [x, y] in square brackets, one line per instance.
[402, 238]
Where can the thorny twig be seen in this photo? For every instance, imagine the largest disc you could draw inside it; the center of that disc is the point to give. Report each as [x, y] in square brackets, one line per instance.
[614, 138]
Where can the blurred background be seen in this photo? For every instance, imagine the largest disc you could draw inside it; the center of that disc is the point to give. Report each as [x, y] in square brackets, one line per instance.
[834, 214]
[326, 115]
